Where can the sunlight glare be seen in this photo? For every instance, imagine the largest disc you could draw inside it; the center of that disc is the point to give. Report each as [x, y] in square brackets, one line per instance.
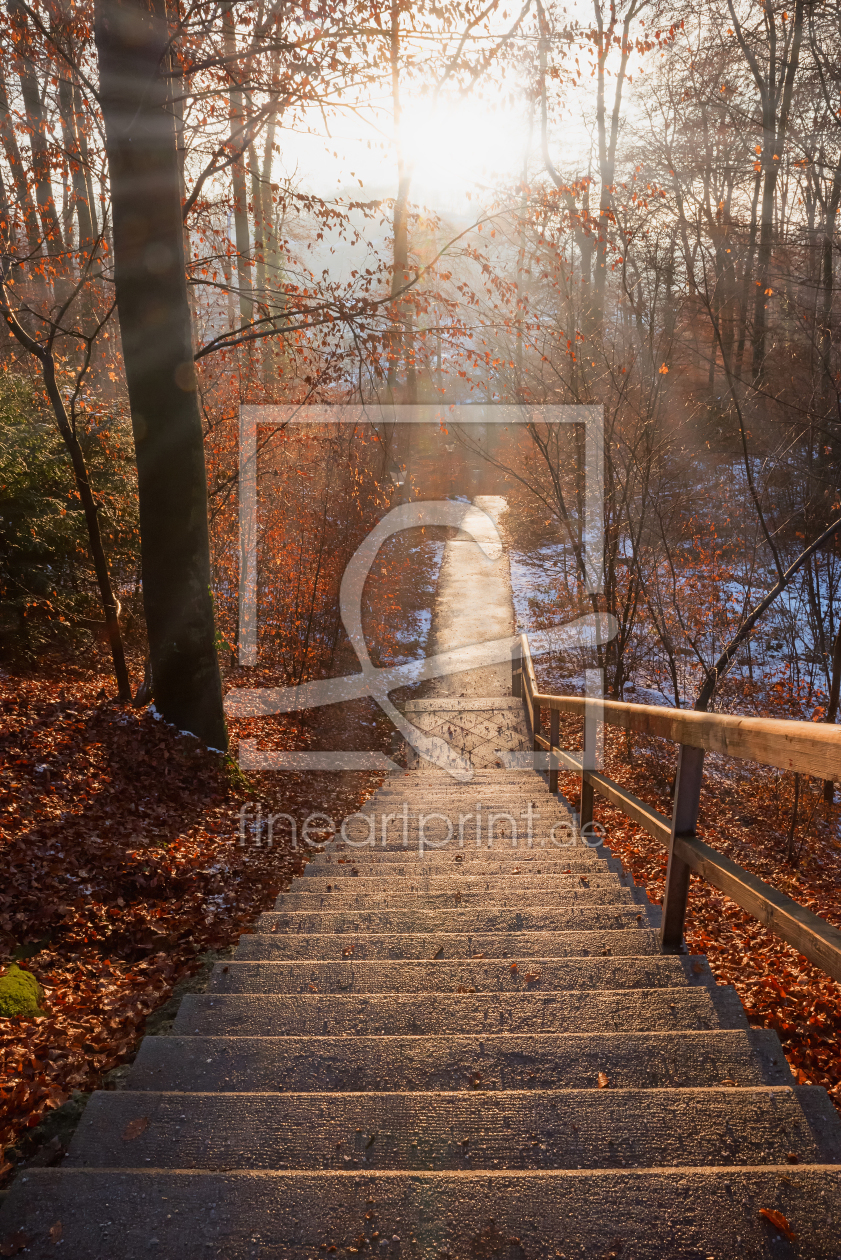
[459, 147]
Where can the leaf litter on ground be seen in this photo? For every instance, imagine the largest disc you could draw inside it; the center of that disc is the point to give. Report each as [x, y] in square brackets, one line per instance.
[121, 867]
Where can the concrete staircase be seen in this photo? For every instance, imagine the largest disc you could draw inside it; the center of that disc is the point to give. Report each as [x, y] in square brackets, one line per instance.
[466, 1051]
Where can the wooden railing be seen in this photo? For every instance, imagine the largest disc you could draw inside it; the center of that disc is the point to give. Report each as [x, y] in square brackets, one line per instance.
[809, 747]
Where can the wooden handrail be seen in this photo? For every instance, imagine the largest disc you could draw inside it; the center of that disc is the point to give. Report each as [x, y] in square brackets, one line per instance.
[807, 746]
[810, 747]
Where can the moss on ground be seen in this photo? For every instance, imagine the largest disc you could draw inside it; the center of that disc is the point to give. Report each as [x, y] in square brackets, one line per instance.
[20, 993]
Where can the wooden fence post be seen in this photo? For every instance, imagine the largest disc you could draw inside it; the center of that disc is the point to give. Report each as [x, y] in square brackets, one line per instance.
[585, 814]
[535, 726]
[516, 672]
[554, 737]
[589, 747]
[690, 772]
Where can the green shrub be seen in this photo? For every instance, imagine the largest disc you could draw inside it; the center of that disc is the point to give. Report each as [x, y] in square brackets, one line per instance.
[48, 590]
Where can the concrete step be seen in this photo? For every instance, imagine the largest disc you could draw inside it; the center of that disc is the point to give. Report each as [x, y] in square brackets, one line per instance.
[556, 837]
[418, 1014]
[494, 820]
[600, 1128]
[487, 1062]
[561, 844]
[649, 1213]
[513, 895]
[459, 880]
[484, 976]
[469, 919]
[513, 945]
[487, 865]
[487, 798]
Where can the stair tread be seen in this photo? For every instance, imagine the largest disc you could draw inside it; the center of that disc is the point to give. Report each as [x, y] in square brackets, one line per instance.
[454, 944]
[489, 1062]
[447, 975]
[516, 880]
[409, 899]
[184, 1213]
[638, 1010]
[472, 919]
[597, 1128]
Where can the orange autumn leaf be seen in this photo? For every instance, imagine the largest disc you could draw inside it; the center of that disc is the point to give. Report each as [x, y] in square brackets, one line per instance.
[134, 1128]
[779, 1222]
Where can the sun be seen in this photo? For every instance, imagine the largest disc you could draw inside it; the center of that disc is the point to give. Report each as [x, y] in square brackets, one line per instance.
[460, 147]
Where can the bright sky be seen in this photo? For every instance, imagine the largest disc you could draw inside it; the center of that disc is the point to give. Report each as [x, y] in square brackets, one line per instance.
[467, 146]
[462, 153]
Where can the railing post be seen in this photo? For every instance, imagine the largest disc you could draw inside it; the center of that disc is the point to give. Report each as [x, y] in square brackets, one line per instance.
[554, 737]
[690, 772]
[585, 816]
[585, 812]
[535, 726]
[589, 745]
[516, 672]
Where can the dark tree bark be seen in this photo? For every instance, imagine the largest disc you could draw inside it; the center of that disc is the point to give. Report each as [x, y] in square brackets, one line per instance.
[151, 291]
[831, 715]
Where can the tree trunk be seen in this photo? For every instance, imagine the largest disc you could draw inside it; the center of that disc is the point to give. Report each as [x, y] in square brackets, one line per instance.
[824, 329]
[38, 144]
[85, 159]
[271, 251]
[607, 139]
[747, 274]
[21, 184]
[832, 708]
[151, 290]
[241, 234]
[775, 134]
[71, 143]
[792, 829]
[401, 334]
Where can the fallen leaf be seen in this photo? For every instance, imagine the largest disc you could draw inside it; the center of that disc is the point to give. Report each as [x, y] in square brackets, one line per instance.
[531, 977]
[604, 1080]
[697, 968]
[134, 1128]
[514, 968]
[55, 1231]
[793, 1157]
[779, 1222]
[13, 1243]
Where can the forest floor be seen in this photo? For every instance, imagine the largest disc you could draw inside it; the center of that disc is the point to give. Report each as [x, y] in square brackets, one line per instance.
[123, 873]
